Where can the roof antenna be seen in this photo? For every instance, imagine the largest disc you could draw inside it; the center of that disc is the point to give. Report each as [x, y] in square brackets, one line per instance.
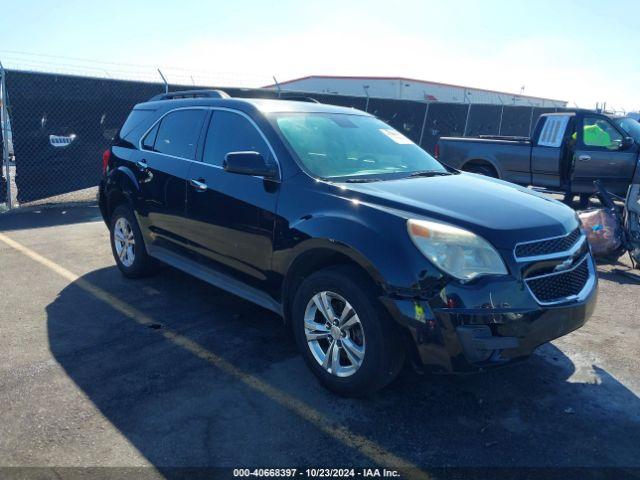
[277, 86]
[166, 84]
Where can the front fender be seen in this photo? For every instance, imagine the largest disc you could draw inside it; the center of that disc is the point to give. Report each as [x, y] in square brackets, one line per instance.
[376, 241]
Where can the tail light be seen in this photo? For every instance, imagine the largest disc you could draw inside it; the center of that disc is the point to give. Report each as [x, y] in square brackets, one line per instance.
[106, 156]
[436, 152]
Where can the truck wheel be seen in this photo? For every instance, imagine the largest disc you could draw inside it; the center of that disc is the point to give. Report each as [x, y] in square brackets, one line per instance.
[486, 170]
[585, 201]
[346, 338]
[127, 245]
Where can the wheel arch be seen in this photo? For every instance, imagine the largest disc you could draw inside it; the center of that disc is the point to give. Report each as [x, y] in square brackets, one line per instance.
[316, 255]
[485, 162]
[122, 189]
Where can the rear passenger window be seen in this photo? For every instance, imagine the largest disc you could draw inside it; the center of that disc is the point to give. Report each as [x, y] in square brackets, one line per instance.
[231, 132]
[178, 133]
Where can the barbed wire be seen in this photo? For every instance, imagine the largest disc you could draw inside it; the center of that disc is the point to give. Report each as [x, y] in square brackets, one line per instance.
[65, 65]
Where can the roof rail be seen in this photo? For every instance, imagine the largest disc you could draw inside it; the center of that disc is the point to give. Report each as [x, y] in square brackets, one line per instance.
[191, 94]
[298, 98]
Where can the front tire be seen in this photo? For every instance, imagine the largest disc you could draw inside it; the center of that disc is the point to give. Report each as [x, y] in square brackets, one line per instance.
[346, 337]
[127, 244]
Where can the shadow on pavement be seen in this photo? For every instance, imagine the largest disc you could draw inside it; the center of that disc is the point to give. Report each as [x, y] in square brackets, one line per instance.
[180, 411]
[41, 217]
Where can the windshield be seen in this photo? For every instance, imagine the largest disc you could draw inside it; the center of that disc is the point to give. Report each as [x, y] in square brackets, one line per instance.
[351, 147]
[630, 126]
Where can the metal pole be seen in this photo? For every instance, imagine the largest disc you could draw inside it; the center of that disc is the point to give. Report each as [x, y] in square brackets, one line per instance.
[4, 122]
[531, 121]
[424, 123]
[500, 123]
[366, 92]
[277, 86]
[466, 122]
[166, 84]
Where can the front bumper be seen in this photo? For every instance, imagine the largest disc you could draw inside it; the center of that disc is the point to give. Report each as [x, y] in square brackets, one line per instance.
[472, 339]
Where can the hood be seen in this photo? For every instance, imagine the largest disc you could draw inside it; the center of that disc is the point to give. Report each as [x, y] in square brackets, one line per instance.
[501, 212]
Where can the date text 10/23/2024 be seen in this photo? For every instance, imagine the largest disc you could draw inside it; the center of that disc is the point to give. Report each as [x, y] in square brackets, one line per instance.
[317, 472]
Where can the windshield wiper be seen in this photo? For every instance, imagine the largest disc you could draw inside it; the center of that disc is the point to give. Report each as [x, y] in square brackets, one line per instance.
[361, 180]
[428, 173]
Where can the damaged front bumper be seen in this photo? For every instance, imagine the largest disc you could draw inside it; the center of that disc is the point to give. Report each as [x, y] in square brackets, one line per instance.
[461, 339]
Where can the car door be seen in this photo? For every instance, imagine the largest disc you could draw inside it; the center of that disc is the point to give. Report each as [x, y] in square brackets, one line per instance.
[598, 155]
[231, 217]
[168, 149]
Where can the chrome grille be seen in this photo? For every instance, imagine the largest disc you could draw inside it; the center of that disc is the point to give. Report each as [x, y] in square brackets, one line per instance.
[547, 247]
[561, 286]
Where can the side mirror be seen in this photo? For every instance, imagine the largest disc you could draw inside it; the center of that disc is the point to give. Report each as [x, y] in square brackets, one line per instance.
[626, 143]
[249, 163]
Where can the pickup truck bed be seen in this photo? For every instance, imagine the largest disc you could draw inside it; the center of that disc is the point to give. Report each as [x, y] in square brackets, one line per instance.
[556, 157]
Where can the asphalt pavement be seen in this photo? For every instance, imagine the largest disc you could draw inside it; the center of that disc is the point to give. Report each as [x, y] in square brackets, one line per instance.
[100, 371]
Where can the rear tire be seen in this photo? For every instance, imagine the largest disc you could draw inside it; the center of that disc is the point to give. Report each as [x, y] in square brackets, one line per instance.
[127, 244]
[369, 348]
[486, 170]
[585, 201]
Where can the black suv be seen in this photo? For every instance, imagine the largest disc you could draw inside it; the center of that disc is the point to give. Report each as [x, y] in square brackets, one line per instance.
[372, 250]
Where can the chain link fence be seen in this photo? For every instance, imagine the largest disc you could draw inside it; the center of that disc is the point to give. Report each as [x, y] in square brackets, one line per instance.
[61, 124]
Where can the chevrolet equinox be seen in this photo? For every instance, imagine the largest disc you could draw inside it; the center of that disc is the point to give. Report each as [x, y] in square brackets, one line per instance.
[369, 248]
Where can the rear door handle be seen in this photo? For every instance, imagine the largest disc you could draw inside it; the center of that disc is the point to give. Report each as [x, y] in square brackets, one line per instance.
[584, 158]
[199, 184]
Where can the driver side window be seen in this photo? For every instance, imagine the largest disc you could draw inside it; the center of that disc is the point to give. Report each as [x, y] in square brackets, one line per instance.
[598, 132]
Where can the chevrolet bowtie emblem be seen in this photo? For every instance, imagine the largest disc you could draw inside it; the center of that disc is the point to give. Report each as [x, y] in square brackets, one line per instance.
[564, 265]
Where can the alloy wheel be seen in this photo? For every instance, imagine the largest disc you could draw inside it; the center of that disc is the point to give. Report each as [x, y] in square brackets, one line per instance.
[334, 334]
[124, 241]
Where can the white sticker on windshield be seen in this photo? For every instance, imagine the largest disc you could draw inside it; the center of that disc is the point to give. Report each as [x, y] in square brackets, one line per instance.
[395, 136]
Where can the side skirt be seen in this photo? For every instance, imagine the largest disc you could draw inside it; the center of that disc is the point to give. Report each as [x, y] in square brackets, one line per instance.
[215, 278]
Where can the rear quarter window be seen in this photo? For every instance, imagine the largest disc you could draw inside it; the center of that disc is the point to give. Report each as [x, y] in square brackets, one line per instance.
[552, 132]
[137, 118]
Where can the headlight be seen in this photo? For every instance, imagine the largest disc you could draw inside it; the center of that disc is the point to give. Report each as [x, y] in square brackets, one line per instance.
[458, 252]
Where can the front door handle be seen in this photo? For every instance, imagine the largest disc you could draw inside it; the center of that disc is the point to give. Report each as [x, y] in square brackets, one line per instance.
[584, 158]
[199, 184]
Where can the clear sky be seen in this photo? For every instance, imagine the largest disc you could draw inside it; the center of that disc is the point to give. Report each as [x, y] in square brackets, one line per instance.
[579, 51]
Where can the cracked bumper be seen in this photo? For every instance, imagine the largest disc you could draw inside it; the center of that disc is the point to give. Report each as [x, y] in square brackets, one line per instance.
[467, 340]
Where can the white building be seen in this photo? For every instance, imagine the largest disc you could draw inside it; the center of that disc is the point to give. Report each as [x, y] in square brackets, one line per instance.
[410, 89]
